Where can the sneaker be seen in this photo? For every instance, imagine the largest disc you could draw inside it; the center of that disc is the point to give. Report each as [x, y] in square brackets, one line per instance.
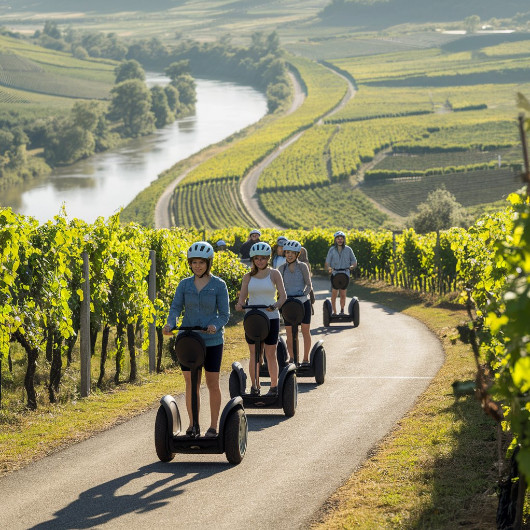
[273, 391]
[341, 312]
[210, 433]
[189, 432]
[254, 391]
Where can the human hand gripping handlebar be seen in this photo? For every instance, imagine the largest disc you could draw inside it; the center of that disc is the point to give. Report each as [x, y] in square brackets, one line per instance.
[259, 306]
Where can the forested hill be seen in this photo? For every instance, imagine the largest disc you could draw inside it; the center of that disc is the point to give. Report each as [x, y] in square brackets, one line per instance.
[390, 12]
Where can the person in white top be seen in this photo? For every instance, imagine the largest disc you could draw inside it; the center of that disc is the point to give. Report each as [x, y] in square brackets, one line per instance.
[263, 286]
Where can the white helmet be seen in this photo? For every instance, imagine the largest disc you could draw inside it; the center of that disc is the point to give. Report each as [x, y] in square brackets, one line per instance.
[201, 249]
[339, 233]
[255, 231]
[281, 241]
[294, 246]
[260, 249]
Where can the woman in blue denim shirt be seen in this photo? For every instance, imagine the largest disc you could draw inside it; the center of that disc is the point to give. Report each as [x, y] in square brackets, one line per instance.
[204, 299]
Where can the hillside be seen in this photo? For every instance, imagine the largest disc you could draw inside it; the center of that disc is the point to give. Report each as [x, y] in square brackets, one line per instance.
[381, 13]
[28, 69]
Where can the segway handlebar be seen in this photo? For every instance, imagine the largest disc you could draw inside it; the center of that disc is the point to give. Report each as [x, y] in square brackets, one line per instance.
[258, 306]
[189, 328]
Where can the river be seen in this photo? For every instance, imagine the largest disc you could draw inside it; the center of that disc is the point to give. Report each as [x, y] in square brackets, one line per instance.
[102, 184]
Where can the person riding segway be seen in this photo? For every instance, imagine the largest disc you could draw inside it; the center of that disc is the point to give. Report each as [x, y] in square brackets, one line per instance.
[261, 286]
[340, 261]
[204, 299]
[297, 311]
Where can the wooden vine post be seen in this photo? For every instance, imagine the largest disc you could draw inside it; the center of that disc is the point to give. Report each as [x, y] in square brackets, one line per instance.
[152, 325]
[85, 329]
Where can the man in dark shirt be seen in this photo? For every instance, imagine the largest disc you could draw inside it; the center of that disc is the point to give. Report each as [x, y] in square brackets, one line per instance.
[253, 237]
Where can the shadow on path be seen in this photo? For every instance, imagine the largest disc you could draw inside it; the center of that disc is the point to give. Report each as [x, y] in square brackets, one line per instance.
[104, 503]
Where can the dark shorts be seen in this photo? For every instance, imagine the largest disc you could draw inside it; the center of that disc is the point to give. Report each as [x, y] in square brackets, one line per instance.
[274, 333]
[212, 362]
[307, 314]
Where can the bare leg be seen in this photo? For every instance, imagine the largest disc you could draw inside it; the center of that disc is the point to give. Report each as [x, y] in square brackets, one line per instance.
[212, 381]
[187, 378]
[289, 336]
[272, 363]
[334, 300]
[252, 364]
[306, 333]
[342, 299]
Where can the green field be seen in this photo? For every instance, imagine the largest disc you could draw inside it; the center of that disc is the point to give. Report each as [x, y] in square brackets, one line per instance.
[27, 71]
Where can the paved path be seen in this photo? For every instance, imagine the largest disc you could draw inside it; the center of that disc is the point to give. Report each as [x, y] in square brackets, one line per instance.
[113, 480]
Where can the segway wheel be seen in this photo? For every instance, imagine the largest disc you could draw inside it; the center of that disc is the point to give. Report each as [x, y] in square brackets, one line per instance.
[234, 386]
[236, 435]
[162, 436]
[354, 312]
[326, 313]
[290, 395]
[319, 365]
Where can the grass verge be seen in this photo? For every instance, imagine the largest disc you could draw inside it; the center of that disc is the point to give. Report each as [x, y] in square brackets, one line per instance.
[437, 468]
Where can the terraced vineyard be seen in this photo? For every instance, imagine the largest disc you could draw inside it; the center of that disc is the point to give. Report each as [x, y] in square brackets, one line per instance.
[403, 195]
[325, 207]
[219, 202]
[393, 109]
[324, 91]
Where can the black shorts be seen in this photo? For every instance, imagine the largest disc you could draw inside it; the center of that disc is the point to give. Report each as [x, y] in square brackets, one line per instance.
[274, 333]
[212, 362]
[307, 314]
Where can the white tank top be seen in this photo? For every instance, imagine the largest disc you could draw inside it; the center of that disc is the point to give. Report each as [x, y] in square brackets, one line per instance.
[261, 291]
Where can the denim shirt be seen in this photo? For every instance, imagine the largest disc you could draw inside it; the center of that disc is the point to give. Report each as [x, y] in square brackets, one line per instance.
[202, 308]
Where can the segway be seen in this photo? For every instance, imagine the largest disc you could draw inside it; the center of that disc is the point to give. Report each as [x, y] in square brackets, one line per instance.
[233, 427]
[340, 280]
[293, 312]
[257, 327]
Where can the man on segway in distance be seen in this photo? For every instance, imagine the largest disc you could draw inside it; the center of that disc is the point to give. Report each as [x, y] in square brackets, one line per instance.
[340, 258]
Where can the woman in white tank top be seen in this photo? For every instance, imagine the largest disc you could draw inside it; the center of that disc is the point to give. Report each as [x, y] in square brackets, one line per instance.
[261, 286]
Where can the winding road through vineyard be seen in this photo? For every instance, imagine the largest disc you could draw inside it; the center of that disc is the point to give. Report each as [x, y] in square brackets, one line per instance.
[375, 373]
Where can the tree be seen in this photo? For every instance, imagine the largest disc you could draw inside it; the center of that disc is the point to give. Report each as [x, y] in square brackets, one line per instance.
[185, 84]
[472, 23]
[173, 98]
[176, 69]
[160, 107]
[129, 70]
[131, 104]
[439, 212]
[51, 29]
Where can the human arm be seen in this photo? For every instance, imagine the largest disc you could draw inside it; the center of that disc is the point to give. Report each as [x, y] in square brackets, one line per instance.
[308, 286]
[223, 308]
[175, 309]
[278, 282]
[353, 260]
[243, 294]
